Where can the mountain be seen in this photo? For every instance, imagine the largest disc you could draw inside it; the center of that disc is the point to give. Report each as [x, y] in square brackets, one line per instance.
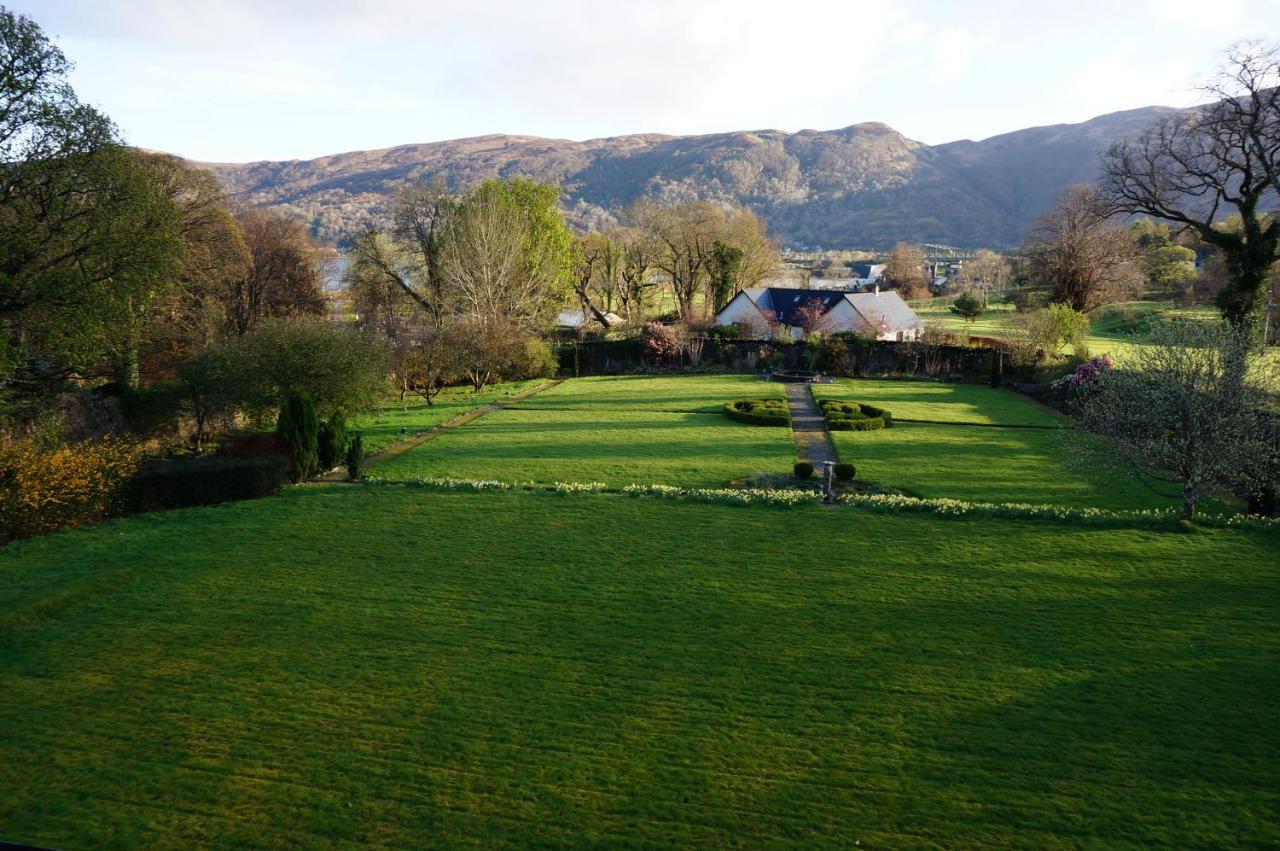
[864, 186]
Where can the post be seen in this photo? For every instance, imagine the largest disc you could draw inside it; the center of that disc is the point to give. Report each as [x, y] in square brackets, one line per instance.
[828, 482]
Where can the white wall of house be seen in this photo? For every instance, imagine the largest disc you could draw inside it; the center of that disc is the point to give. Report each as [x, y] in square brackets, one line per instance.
[742, 311]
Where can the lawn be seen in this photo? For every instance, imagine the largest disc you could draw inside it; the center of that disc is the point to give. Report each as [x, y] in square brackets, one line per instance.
[345, 665]
[620, 431]
[382, 428]
[1038, 460]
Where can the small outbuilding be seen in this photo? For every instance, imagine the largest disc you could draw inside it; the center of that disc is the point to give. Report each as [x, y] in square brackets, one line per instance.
[881, 315]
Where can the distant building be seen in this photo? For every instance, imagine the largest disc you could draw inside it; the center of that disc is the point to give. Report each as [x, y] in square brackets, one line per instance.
[865, 273]
[575, 319]
[881, 315]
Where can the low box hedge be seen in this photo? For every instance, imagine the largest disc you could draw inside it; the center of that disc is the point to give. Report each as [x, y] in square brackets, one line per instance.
[186, 482]
[854, 416]
[763, 412]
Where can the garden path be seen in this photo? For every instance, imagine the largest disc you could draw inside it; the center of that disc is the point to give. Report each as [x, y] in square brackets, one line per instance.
[809, 427]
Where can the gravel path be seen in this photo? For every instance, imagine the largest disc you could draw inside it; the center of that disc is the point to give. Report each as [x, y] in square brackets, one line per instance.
[809, 427]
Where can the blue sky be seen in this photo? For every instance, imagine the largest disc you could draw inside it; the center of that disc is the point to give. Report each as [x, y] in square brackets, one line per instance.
[242, 80]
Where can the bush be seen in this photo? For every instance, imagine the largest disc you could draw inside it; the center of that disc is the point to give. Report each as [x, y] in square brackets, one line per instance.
[537, 361]
[355, 457]
[761, 412]
[44, 490]
[299, 426]
[162, 485]
[803, 470]
[661, 344]
[844, 472]
[854, 416]
[152, 411]
[331, 442]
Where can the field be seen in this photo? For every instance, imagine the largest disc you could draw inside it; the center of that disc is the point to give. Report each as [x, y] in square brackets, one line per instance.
[373, 665]
[381, 665]
[618, 431]
[382, 428]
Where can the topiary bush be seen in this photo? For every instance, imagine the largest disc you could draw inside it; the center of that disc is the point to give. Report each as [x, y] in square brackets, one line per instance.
[844, 472]
[762, 412]
[355, 456]
[331, 442]
[299, 426]
[854, 416]
[803, 470]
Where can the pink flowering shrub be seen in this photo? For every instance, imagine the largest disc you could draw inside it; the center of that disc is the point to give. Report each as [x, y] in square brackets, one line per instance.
[661, 345]
[1084, 375]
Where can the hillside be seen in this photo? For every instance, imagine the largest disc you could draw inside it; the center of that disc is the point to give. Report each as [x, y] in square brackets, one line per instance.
[862, 186]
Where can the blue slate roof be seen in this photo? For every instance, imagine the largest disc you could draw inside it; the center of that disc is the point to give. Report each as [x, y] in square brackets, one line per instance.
[785, 302]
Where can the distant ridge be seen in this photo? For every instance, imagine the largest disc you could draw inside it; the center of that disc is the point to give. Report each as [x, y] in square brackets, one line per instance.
[862, 186]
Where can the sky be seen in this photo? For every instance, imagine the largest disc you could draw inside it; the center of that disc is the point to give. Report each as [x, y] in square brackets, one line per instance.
[243, 80]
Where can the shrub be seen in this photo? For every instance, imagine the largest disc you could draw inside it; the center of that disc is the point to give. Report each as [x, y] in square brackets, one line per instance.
[355, 456]
[854, 416]
[968, 306]
[762, 412]
[537, 361]
[44, 490]
[300, 429]
[844, 472]
[803, 470]
[162, 485]
[152, 411]
[331, 443]
[661, 344]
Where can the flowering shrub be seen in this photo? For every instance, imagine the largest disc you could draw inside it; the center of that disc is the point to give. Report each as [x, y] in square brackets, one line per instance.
[661, 345]
[41, 491]
[1084, 374]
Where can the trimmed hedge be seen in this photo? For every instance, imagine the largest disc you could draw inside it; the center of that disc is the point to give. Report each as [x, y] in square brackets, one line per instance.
[844, 472]
[854, 416]
[161, 485]
[762, 412]
[803, 470]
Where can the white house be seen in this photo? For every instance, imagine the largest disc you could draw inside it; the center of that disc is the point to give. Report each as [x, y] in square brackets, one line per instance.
[866, 273]
[881, 315]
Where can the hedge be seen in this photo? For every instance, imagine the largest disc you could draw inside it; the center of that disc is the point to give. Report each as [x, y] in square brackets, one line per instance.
[854, 416]
[762, 412]
[162, 485]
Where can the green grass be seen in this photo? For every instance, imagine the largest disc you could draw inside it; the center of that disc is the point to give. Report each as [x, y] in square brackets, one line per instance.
[620, 431]
[968, 460]
[385, 666]
[382, 428]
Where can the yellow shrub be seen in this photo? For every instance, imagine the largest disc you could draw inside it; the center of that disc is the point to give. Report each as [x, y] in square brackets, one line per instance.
[41, 491]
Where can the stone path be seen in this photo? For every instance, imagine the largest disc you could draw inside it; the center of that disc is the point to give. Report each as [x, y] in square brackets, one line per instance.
[809, 427]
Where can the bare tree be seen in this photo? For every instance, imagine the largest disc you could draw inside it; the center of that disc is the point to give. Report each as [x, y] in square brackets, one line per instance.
[906, 270]
[987, 273]
[1193, 169]
[1079, 254]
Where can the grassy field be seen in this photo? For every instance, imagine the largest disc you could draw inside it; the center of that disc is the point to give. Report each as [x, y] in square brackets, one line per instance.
[662, 430]
[382, 428]
[347, 665]
[1038, 461]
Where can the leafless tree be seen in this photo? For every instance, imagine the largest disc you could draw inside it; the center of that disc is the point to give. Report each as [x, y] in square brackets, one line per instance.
[1082, 257]
[906, 270]
[1193, 169]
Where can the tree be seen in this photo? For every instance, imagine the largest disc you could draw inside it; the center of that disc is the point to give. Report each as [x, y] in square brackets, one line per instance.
[598, 262]
[1178, 404]
[341, 370]
[299, 427]
[1044, 332]
[283, 277]
[87, 238]
[213, 386]
[486, 348]
[906, 270]
[987, 273]
[1169, 267]
[685, 235]
[968, 305]
[726, 267]
[1192, 168]
[506, 254]
[813, 317]
[1078, 254]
